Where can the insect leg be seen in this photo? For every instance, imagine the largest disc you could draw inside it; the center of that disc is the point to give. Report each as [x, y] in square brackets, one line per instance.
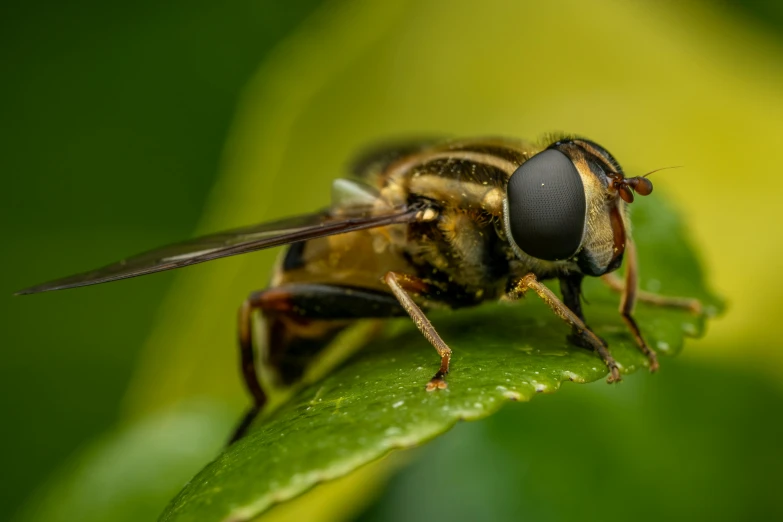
[631, 286]
[530, 282]
[247, 362]
[628, 301]
[300, 320]
[571, 288]
[400, 284]
[614, 282]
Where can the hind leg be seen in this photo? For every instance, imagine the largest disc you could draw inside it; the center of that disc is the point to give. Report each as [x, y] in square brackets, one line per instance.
[247, 361]
[301, 320]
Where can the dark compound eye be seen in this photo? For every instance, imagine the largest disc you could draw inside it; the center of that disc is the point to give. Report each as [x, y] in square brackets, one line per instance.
[546, 206]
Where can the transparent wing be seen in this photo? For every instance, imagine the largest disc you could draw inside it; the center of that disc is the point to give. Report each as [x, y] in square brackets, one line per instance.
[237, 241]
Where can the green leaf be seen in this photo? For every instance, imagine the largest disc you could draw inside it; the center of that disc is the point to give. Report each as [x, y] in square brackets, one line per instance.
[129, 473]
[693, 442]
[376, 401]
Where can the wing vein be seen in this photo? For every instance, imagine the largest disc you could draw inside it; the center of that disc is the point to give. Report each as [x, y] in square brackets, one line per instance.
[235, 242]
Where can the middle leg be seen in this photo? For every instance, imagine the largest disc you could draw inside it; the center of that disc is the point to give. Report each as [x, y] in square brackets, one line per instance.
[400, 285]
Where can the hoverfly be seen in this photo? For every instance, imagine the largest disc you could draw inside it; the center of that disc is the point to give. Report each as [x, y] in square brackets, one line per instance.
[423, 225]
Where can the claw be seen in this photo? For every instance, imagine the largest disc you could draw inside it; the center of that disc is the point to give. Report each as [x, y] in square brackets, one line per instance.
[437, 383]
[614, 375]
[696, 307]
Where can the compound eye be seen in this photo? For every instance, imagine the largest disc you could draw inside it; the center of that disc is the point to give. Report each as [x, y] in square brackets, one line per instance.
[546, 206]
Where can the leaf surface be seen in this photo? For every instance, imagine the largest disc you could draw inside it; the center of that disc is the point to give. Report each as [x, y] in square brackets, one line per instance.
[376, 402]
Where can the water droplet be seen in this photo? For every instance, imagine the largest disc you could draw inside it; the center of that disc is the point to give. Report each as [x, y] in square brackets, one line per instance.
[689, 328]
[398, 404]
[653, 285]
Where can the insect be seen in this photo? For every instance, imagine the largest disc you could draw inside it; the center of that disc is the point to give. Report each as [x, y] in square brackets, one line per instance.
[422, 225]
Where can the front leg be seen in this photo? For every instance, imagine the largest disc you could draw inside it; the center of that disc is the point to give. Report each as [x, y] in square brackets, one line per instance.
[628, 301]
[530, 282]
[614, 282]
[571, 288]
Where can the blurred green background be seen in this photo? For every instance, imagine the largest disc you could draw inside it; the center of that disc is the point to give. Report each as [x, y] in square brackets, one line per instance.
[125, 127]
